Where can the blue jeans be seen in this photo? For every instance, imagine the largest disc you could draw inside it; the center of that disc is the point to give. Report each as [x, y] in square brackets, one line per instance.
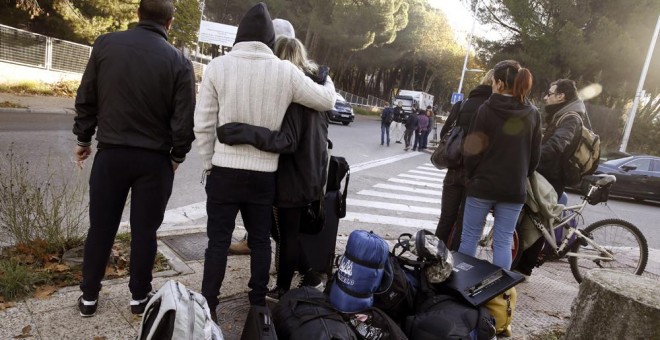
[384, 129]
[506, 217]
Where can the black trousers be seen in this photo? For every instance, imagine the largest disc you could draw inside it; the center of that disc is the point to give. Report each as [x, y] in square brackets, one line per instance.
[228, 192]
[407, 136]
[451, 210]
[292, 256]
[149, 176]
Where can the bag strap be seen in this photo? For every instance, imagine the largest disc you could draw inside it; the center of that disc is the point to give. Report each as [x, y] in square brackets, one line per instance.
[344, 194]
[332, 314]
[567, 114]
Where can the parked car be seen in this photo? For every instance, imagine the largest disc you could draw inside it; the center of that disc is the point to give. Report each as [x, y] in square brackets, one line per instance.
[342, 112]
[636, 176]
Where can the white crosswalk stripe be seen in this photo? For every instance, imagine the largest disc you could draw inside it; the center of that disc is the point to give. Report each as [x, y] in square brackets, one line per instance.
[413, 202]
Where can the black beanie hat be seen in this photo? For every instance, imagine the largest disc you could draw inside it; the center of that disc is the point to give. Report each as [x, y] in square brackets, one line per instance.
[256, 25]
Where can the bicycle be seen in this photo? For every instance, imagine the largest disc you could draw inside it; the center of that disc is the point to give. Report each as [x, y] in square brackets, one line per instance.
[610, 243]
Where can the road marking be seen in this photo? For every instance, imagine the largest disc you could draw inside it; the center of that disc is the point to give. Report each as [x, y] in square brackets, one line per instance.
[392, 206]
[389, 220]
[408, 189]
[418, 183]
[372, 164]
[382, 194]
[426, 178]
[426, 173]
[429, 169]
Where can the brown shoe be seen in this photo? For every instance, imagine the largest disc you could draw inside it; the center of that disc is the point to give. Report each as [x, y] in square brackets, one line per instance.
[239, 248]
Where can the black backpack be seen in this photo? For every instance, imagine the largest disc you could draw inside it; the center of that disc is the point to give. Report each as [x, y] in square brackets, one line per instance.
[447, 317]
[388, 115]
[374, 324]
[398, 299]
[338, 169]
[305, 313]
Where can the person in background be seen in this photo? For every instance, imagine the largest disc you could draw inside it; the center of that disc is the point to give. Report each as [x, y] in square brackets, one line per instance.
[420, 131]
[411, 125]
[501, 149]
[386, 118]
[282, 28]
[398, 124]
[453, 186]
[431, 116]
[248, 85]
[557, 144]
[144, 132]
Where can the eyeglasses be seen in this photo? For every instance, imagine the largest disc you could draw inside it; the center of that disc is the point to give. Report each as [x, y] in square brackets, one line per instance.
[548, 94]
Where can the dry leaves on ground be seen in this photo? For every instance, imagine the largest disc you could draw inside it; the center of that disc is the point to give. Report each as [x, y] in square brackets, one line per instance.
[44, 292]
[25, 333]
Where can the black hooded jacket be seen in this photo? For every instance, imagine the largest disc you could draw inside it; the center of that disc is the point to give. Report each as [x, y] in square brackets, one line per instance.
[502, 149]
[559, 139]
[302, 142]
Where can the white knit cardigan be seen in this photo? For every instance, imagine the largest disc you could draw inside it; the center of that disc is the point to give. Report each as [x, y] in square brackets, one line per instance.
[251, 85]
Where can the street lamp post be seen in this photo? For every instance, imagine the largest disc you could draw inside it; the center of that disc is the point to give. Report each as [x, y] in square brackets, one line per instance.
[638, 94]
[469, 46]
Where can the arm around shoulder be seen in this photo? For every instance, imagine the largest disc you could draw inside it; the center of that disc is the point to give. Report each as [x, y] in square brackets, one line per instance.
[310, 94]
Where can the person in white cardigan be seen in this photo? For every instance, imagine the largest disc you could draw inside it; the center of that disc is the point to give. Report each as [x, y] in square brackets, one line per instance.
[248, 85]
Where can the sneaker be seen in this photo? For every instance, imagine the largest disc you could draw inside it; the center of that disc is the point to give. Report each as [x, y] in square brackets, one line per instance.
[381, 143]
[87, 308]
[274, 294]
[240, 248]
[138, 306]
[398, 142]
[414, 149]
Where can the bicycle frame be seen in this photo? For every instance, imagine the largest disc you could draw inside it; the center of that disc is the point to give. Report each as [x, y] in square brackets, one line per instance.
[563, 249]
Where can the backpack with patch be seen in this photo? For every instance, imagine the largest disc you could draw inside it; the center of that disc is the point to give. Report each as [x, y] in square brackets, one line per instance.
[305, 314]
[501, 308]
[175, 312]
[388, 115]
[583, 154]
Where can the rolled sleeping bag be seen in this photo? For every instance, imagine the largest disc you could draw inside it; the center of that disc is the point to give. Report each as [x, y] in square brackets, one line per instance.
[360, 272]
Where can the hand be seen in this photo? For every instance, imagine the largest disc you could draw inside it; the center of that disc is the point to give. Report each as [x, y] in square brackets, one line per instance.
[175, 166]
[80, 154]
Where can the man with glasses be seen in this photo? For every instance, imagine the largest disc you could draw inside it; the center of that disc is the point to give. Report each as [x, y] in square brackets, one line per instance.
[562, 125]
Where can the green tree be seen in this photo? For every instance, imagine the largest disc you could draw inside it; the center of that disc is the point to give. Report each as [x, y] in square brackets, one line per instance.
[186, 24]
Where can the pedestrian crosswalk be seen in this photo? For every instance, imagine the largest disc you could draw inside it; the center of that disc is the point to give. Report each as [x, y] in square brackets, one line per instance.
[410, 199]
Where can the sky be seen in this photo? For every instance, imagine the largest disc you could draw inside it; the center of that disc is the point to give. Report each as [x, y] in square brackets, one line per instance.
[460, 18]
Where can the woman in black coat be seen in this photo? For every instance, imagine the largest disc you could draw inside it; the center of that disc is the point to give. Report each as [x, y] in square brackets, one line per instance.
[501, 150]
[453, 186]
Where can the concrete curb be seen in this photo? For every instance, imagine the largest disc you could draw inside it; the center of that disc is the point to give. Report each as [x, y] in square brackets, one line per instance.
[63, 111]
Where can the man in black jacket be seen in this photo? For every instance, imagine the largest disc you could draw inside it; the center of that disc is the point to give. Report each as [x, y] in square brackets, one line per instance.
[564, 116]
[140, 91]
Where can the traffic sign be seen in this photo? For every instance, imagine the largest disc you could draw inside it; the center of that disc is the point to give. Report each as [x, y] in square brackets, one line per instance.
[456, 97]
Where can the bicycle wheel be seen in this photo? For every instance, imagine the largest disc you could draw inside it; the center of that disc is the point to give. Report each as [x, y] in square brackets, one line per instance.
[619, 237]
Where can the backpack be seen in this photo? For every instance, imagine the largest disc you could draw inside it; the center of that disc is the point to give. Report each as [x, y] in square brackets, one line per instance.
[388, 116]
[374, 324]
[337, 170]
[398, 298]
[447, 317]
[175, 312]
[583, 154]
[305, 314]
[501, 308]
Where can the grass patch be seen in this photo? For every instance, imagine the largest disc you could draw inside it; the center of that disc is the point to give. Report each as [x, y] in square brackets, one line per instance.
[366, 111]
[11, 105]
[63, 88]
[16, 280]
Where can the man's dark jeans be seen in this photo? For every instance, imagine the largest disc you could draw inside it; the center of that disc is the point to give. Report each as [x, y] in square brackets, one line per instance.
[149, 176]
[407, 136]
[292, 255]
[228, 192]
[452, 206]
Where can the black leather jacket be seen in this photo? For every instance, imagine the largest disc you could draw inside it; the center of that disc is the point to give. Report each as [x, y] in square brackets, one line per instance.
[140, 91]
[303, 144]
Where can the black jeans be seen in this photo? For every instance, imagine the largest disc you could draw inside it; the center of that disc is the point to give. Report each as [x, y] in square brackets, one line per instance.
[291, 251]
[149, 176]
[407, 136]
[452, 206]
[228, 192]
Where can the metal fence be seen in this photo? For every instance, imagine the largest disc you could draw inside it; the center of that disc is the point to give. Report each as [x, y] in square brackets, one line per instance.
[36, 50]
[357, 100]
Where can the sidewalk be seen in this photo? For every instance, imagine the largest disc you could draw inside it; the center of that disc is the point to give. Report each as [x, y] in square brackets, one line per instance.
[544, 301]
[38, 104]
